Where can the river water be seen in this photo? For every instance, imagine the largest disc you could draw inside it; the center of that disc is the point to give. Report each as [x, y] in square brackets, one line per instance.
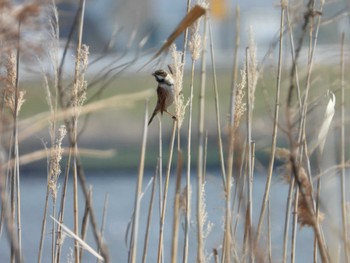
[120, 188]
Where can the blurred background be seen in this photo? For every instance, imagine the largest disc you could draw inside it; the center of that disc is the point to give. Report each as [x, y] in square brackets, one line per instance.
[122, 36]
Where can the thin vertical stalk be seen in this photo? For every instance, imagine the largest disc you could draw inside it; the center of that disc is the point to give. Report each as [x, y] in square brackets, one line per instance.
[287, 219]
[342, 152]
[135, 223]
[176, 214]
[104, 219]
[275, 128]
[62, 209]
[74, 131]
[149, 217]
[295, 223]
[165, 195]
[53, 237]
[217, 108]
[227, 241]
[14, 175]
[249, 161]
[188, 174]
[160, 162]
[292, 142]
[84, 223]
[200, 256]
[269, 231]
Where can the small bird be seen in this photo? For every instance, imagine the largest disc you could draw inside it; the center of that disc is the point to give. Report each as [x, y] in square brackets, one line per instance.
[165, 93]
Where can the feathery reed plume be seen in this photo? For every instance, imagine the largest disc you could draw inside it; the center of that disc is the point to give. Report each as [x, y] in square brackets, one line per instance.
[253, 67]
[305, 217]
[55, 158]
[79, 89]
[9, 93]
[240, 105]
[206, 224]
[195, 43]
[177, 68]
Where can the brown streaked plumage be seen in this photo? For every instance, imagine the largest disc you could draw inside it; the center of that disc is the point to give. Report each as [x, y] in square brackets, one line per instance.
[165, 93]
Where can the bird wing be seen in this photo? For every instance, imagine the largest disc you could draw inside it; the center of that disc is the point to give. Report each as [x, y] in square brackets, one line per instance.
[162, 95]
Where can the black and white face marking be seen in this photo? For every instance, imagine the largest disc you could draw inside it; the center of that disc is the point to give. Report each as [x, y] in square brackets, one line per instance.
[163, 77]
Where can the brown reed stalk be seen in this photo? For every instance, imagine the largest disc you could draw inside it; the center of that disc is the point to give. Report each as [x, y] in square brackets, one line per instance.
[269, 231]
[160, 164]
[295, 222]
[62, 209]
[287, 219]
[43, 225]
[165, 195]
[195, 49]
[188, 173]
[75, 97]
[149, 217]
[217, 108]
[275, 126]
[200, 160]
[85, 224]
[292, 144]
[292, 181]
[135, 223]
[176, 213]
[249, 213]
[342, 151]
[104, 219]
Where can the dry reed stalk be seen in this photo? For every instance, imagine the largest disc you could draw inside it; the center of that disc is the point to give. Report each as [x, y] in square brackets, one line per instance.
[104, 219]
[165, 194]
[135, 225]
[275, 126]
[295, 223]
[13, 99]
[217, 108]
[195, 13]
[176, 214]
[82, 243]
[59, 239]
[292, 144]
[269, 231]
[195, 49]
[231, 141]
[85, 223]
[287, 219]
[188, 173]
[250, 95]
[342, 152]
[200, 256]
[239, 189]
[292, 48]
[149, 217]
[160, 163]
[77, 96]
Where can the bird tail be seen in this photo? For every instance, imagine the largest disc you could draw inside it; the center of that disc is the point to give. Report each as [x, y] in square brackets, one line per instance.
[151, 119]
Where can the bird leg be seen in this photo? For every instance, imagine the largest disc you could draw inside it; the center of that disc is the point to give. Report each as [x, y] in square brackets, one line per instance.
[172, 116]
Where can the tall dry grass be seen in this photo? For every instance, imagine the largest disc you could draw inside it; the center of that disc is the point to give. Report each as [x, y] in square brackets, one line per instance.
[68, 105]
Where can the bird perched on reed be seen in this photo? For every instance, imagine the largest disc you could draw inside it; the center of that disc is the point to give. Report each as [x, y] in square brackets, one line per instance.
[165, 93]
